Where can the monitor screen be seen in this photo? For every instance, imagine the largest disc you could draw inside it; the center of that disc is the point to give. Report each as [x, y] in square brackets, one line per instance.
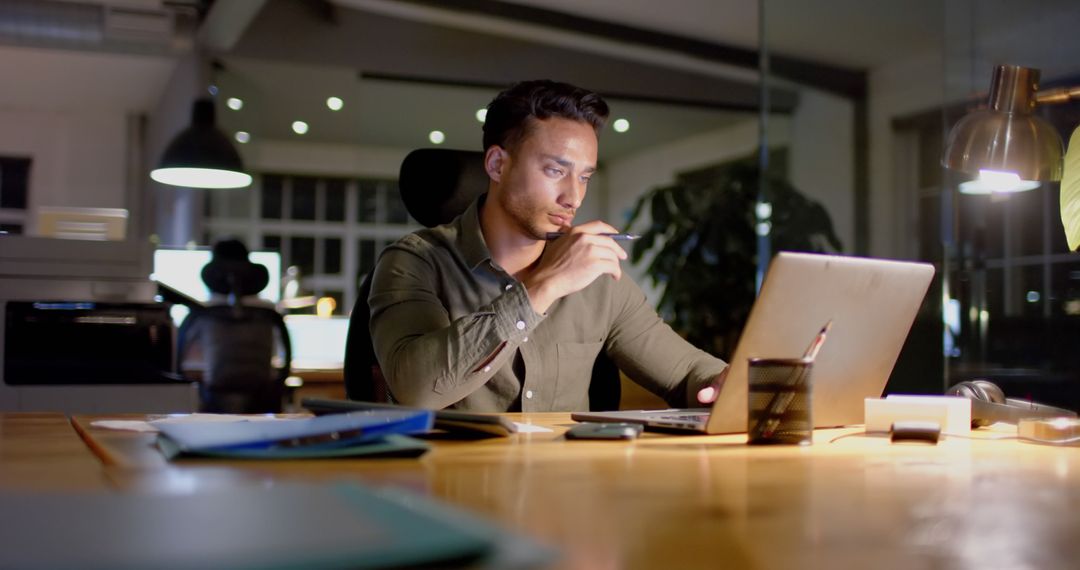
[181, 269]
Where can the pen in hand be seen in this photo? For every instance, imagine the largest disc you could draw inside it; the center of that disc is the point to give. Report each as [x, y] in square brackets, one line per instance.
[616, 237]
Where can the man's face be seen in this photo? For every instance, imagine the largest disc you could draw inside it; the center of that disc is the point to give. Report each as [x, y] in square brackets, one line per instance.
[546, 174]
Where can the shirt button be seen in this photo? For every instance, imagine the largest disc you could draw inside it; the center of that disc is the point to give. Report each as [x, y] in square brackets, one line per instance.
[520, 325]
[487, 369]
[528, 394]
[526, 339]
[509, 286]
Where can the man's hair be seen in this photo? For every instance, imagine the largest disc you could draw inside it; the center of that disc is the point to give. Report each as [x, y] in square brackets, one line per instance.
[510, 114]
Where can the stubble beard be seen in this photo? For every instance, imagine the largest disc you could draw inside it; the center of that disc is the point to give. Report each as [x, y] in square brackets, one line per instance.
[530, 219]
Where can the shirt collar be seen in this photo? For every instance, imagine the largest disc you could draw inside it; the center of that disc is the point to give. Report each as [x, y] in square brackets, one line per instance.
[470, 237]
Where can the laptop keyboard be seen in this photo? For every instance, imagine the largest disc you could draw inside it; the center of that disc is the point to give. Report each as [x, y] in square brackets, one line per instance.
[695, 418]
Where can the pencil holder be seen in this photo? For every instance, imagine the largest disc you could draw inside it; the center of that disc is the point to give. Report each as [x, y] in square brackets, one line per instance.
[779, 409]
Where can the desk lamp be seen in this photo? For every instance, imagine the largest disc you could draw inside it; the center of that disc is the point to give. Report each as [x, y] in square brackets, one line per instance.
[1009, 149]
[201, 156]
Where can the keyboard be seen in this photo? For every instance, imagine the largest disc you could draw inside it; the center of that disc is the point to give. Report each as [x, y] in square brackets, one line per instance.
[697, 418]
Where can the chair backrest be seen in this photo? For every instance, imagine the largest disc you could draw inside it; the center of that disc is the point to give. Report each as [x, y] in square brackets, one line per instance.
[436, 186]
[238, 344]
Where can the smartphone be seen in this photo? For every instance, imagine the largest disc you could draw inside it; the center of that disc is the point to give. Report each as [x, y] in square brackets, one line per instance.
[591, 430]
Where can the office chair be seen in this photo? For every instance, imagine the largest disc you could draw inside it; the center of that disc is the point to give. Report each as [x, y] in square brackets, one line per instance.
[436, 186]
[237, 340]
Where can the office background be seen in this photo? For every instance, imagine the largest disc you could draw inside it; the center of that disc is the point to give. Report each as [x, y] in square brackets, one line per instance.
[862, 95]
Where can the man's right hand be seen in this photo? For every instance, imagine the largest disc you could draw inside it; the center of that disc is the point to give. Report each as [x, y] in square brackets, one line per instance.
[570, 263]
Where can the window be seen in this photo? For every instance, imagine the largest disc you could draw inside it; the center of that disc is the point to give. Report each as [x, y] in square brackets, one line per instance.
[1013, 297]
[332, 228]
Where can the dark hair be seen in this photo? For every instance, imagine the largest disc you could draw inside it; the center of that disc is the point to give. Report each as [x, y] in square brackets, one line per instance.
[509, 114]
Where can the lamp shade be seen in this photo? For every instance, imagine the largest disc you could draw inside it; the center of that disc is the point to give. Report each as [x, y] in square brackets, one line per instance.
[201, 156]
[1006, 140]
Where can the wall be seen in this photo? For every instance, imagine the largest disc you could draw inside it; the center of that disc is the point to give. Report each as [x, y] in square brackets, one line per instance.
[821, 157]
[80, 159]
[902, 88]
[322, 158]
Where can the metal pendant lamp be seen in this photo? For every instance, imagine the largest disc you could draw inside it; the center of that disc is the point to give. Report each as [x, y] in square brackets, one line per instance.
[1006, 146]
[201, 156]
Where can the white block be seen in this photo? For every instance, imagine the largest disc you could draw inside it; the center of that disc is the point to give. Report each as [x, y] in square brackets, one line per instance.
[952, 413]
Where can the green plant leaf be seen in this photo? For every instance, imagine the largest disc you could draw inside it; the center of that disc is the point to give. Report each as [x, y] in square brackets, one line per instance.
[705, 246]
[1070, 192]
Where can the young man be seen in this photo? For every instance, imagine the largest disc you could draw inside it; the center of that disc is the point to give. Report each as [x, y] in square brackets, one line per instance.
[487, 314]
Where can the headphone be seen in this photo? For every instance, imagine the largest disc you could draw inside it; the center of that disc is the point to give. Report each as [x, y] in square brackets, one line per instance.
[989, 404]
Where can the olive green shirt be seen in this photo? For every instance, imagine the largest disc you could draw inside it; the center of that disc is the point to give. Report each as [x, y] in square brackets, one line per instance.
[452, 329]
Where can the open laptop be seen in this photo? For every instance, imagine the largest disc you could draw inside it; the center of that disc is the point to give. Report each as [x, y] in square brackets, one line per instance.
[872, 304]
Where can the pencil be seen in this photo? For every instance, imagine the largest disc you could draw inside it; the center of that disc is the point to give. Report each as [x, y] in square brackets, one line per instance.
[616, 237]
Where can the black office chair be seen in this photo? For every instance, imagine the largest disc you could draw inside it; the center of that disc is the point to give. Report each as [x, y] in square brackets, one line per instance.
[237, 341]
[436, 186]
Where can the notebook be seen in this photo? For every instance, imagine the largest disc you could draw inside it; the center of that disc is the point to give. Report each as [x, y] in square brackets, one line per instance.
[454, 421]
[279, 525]
[872, 304]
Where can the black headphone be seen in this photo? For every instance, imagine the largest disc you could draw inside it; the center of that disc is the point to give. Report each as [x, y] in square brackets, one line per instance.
[989, 404]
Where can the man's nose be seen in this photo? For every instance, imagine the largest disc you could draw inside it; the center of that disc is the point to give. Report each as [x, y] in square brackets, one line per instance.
[573, 193]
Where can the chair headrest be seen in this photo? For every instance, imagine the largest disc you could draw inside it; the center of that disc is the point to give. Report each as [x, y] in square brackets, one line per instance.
[230, 271]
[438, 184]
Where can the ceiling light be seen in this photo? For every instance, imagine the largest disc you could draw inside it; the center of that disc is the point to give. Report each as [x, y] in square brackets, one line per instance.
[621, 125]
[243, 137]
[334, 103]
[234, 103]
[299, 127]
[201, 156]
[436, 137]
[481, 115]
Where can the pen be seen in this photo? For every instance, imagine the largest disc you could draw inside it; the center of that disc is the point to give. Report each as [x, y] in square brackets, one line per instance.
[780, 401]
[616, 237]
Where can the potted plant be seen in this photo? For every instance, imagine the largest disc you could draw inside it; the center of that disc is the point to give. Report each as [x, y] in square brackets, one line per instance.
[702, 230]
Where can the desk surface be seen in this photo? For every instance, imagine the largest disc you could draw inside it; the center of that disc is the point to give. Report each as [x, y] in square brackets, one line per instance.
[663, 501]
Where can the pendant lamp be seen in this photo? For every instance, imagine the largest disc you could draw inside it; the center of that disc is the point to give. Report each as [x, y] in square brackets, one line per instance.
[201, 156]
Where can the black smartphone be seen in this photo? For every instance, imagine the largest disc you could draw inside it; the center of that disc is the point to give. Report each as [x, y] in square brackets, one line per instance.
[592, 430]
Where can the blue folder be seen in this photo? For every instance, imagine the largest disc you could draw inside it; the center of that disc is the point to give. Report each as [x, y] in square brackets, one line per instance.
[318, 433]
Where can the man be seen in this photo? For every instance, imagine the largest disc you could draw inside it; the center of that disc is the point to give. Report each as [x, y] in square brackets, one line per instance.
[487, 314]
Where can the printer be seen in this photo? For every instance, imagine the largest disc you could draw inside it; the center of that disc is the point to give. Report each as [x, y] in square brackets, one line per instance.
[82, 332]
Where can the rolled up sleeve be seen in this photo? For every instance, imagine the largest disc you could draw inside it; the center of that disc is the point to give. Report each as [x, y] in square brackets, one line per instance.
[645, 348]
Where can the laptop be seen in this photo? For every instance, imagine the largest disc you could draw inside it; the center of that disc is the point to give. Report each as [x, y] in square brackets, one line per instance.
[872, 304]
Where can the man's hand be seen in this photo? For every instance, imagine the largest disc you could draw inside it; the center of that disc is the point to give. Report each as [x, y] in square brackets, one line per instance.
[572, 262]
[708, 394]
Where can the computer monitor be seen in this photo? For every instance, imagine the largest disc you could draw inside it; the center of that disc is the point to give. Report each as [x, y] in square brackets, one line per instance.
[181, 269]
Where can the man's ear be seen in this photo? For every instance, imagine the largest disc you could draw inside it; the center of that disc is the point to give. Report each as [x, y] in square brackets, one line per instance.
[495, 161]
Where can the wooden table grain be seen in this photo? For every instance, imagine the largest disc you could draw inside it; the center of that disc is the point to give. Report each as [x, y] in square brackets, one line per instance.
[704, 501]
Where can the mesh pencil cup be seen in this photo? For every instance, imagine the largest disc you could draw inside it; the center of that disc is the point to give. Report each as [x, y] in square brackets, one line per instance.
[779, 407]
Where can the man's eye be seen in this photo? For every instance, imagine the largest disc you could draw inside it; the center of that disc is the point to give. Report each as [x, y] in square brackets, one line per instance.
[585, 179]
[553, 171]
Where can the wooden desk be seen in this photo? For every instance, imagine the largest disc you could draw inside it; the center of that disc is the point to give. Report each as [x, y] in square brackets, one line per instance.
[684, 502]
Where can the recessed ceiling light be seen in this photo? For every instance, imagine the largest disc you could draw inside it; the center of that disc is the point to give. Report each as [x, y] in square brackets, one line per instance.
[299, 127]
[436, 137]
[334, 103]
[243, 137]
[621, 125]
[481, 115]
[234, 103]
